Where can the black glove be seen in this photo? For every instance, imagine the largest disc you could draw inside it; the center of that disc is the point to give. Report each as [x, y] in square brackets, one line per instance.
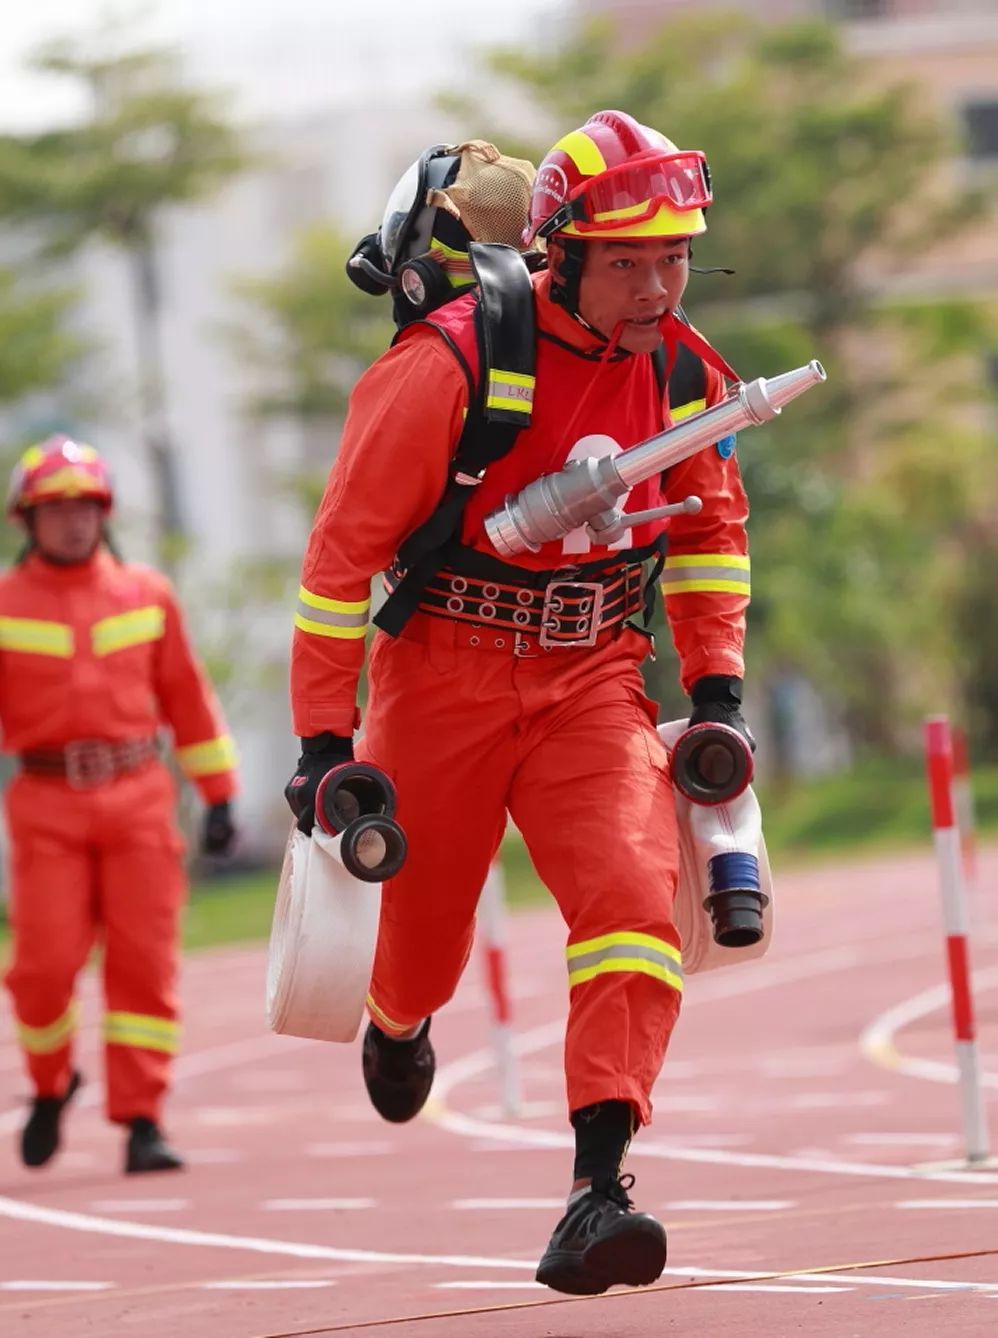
[717, 700]
[219, 831]
[318, 755]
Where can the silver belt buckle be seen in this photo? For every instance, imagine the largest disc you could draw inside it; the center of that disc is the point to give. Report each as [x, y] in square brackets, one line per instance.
[586, 616]
[89, 762]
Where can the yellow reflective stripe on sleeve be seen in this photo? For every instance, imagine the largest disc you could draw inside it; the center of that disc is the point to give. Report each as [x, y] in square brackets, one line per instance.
[384, 1020]
[135, 628]
[142, 1031]
[629, 952]
[583, 152]
[46, 1040]
[331, 617]
[205, 759]
[710, 573]
[510, 390]
[685, 410]
[37, 637]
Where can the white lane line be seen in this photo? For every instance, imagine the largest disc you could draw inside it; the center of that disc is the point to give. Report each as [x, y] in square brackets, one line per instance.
[852, 1279]
[695, 1103]
[317, 1205]
[804, 1066]
[489, 1204]
[58, 1217]
[212, 1156]
[877, 1041]
[730, 1205]
[834, 1100]
[196, 1065]
[110, 1226]
[901, 1140]
[527, 1110]
[37, 1285]
[486, 1286]
[139, 1205]
[270, 1080]
[785, 1287]
[289, 1284]
[481, 1061]
[348, 1149]
[947, 1203]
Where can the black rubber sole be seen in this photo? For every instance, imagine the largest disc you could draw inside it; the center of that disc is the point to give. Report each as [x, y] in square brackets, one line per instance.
[633, 1257]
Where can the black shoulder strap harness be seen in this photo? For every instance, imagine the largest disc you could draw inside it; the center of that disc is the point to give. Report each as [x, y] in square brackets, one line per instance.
[499, 408]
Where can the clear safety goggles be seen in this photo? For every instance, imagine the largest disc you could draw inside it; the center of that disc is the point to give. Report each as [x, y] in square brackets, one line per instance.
[404, 205]
[634, 192]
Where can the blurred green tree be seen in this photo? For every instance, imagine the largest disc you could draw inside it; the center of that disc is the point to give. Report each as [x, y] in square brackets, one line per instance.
[37, 348]
[147, 142]
[868, 500]
[308, 333]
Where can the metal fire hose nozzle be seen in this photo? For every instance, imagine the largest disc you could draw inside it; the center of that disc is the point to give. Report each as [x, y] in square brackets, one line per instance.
[357, 802]
[555, 504]
[712, 764]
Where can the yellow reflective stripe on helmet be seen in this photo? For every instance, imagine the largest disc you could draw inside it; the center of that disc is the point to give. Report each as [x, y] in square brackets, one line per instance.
[46, 1040]
[37, 637]
[142, 1031]
[711, 573]
[122, 630]
[583, 151]
[205, 759]
[684, 410]
[331, 617]
[631, 952]
[384, 1020]
[510, 390]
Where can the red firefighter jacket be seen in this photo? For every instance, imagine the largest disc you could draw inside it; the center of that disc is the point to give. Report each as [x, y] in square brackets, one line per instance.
[405, 418]
[100, 651]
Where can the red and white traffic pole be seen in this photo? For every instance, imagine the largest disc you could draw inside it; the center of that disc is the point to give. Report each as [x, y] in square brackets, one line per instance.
[492, 927]
[946, 834]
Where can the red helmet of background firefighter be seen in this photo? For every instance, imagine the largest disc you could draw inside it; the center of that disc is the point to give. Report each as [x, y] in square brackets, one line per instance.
[76, 477]
[617, 181]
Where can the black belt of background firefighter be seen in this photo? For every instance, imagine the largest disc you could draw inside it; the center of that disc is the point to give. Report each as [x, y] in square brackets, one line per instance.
[85, 763]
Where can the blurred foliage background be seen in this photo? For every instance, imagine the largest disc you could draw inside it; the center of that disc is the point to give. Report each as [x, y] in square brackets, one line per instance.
[874, 501]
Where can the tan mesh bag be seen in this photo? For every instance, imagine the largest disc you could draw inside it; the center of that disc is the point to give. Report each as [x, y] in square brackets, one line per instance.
[490, 195]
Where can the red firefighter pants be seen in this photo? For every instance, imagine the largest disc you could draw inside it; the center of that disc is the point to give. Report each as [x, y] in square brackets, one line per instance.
[564, 740]
[104, 863]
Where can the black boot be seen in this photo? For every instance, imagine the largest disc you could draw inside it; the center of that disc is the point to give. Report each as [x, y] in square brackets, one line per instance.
[148, 1150]
[398, 1075]
[601, 1242]
[40, 1136]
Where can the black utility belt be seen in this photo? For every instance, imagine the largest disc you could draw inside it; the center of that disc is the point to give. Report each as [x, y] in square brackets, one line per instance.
[565, 611]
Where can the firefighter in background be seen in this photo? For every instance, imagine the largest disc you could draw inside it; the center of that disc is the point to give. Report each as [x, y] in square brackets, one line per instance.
[94, 659]
[513, 689]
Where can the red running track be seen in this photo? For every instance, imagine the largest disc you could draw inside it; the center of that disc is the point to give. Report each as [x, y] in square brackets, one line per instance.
[803, 1098]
